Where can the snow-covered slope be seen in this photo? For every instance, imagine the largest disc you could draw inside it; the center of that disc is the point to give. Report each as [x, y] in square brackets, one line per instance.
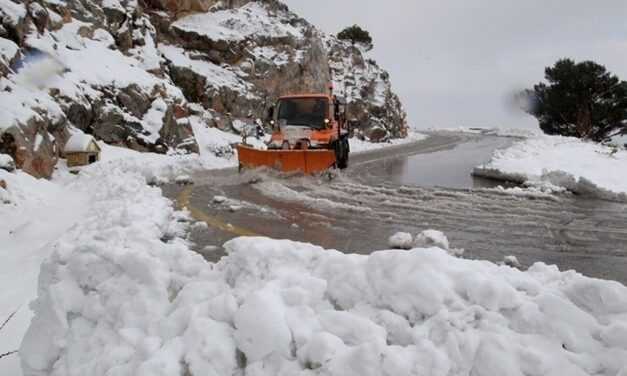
[579, 166]
[134, 73]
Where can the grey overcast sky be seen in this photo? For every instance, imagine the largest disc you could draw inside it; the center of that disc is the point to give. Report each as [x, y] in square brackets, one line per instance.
[454, 62]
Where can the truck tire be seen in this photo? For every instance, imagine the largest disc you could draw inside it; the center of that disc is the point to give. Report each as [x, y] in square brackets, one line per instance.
[341, 153]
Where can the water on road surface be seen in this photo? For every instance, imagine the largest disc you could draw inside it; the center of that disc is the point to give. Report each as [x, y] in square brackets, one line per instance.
[400, 190]
[449, 168]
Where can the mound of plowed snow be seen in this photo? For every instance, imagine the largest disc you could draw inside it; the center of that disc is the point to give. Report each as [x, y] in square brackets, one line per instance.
[122, 294]
[579, 166]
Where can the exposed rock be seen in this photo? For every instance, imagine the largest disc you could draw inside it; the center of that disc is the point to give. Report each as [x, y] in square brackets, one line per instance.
[219, 60]
[377, 134]
[134, 101]
[178, 132]
[80, 114]
[111, 126]
[192, 84]
[39, 15]
[367, 89]
[14, 21]
[3, 184]
[31, 147]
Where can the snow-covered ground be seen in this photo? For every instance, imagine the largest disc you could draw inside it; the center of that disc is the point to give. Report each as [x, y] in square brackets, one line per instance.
[579, 166]
[120, 292]
[359, 146]
[125, 296]
[37, 213]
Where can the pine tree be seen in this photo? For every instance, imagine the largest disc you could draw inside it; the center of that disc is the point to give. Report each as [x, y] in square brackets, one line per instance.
[356, 34]
[582, 100]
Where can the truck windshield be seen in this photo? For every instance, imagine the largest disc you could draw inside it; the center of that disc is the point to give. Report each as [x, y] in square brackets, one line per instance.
[305, 112]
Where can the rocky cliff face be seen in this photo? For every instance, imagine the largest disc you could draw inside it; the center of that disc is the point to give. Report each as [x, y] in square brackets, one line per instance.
[132, 73]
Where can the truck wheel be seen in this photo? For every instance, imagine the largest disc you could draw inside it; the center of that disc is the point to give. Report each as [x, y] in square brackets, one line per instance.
[341, 154]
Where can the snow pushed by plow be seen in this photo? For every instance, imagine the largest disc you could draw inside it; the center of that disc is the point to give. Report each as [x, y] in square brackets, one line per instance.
[123, 295]
[562, 162]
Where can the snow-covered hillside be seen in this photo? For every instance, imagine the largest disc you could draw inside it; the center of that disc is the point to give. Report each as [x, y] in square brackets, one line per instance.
[582, 167]
[134, 74]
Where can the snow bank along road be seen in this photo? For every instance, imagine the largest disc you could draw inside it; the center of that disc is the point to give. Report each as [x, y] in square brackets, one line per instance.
[122, 294]
[357, 211]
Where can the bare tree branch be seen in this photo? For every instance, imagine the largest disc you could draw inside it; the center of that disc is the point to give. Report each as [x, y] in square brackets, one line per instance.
[2, 327]
[8, 354]
[9, 319]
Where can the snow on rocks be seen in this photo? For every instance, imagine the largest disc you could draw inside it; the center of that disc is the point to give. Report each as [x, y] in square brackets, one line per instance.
[7, 163]
[219, 199]
[8, 51]
[619, 141]
[401, 240]
[251, 20]
[184, 180]
[235, 208]
[432, 238]
[512, 261]
[12, 12]
[579, 166]
[159, 168]
[134, 305]
[216, 76]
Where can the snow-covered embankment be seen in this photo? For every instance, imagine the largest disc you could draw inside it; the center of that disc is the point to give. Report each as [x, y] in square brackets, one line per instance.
[581, 167]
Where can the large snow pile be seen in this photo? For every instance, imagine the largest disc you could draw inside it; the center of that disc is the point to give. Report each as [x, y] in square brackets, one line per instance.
[579, 166]
[123, 295]
[33, 214]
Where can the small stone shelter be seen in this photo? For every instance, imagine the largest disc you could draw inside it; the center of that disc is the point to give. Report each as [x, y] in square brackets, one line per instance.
[81, 150]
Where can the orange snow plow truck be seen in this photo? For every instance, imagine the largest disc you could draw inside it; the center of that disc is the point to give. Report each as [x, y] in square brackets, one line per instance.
[309, 135]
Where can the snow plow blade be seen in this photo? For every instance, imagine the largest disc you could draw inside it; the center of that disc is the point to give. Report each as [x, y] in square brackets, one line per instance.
[306, 161]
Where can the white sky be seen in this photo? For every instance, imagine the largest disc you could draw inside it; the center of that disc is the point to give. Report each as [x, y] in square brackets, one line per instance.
[454, 62]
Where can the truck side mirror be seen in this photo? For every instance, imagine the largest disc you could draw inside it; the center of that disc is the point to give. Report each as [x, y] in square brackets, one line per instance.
[270, 112]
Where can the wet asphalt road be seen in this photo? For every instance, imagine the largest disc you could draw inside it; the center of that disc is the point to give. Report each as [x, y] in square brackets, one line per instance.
[411, 188]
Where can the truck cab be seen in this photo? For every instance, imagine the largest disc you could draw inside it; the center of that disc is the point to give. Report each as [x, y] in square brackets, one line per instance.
[310, 121]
